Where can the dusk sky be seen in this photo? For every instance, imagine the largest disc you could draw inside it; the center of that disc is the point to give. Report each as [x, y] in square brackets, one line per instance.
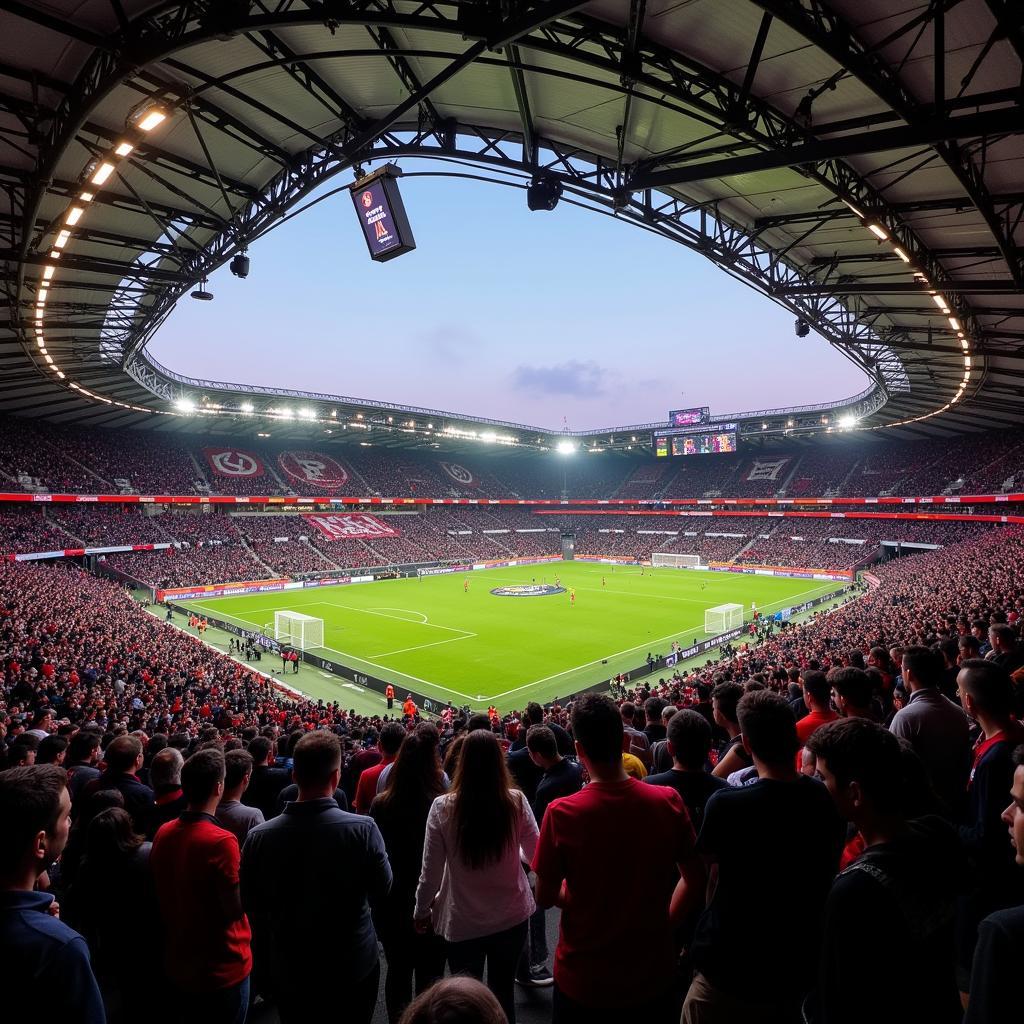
[500, 312]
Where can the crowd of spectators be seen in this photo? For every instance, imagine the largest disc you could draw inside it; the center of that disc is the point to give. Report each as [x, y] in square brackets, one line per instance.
[877, 747]
[25, 528]
[108, 525]
[190, 566]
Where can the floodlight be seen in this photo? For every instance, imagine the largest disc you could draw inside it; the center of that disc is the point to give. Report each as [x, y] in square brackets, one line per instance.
[565, 447]
[847, 421]
[185, 405]
[101, 172]
[146, 116]
[201, 292]
[543, 192]
[247, 407]
[876, 229]
[307, 413]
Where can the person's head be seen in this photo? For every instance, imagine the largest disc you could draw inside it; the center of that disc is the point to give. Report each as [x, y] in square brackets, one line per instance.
[1013, 816]
[391, 737]
[261, 749]
[768, 727]
[817, 690]
[237, 772]
[84, 747]
[52, 750]
[124, 755]
[478, 722]
[861, 764]
[986, 690]
[534, 713]
[202, 778]
[541, 743]
[415, 779]
[456, 1000]
[724, 700]
[597, 726]
[653, 707]
[165, 769]
[316, 764]
[922, 668]
[1002, 637]
[667, 712]
[628, 712]
[851, 691]
[110, 837]
[35, 809]
[484, 810]
[689, 739]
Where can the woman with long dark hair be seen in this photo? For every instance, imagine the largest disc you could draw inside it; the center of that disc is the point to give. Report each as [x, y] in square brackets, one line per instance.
[117, 904]
[414, 782]
[472, 886]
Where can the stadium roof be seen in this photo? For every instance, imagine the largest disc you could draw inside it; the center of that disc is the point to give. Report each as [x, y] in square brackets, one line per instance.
[859, 161]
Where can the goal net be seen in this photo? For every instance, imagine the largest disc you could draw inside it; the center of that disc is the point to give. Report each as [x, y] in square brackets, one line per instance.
[723, 617]
[676, 561]
[302, 632]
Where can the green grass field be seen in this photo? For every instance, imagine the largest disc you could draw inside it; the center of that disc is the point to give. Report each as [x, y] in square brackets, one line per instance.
[478, 648]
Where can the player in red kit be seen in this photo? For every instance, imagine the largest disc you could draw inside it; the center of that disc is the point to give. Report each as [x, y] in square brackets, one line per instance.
[572, 598]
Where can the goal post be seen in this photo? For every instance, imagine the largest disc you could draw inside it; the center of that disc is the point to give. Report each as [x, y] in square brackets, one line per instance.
[673, 560]
[723, 617]
[303, 632]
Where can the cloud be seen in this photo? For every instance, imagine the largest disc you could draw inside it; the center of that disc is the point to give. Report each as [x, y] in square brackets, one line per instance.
[584, 379]
[450, 342]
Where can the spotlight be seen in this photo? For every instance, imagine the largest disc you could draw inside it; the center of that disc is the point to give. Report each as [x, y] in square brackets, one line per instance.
[201, 293]
[543, 192]
[802, 327]
[239, 265]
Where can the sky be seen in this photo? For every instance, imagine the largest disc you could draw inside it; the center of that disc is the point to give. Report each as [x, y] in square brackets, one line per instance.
[552, 319]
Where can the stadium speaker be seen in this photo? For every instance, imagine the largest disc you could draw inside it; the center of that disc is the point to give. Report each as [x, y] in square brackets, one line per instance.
[239, 265]
[802, 327]
[543, 192]
[201, 293]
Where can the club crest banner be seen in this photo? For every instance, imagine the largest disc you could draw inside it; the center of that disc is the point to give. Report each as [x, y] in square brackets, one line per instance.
[233, 462]
[462, 476]
[766, 470]
[313, 468]
[350, 526]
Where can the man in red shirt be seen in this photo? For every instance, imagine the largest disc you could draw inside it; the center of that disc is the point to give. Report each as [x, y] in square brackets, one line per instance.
[207, 939]
[391, 736]
[817, 691]
[580, 849]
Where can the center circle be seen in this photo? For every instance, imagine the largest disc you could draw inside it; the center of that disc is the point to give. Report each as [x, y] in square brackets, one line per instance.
[528, 590]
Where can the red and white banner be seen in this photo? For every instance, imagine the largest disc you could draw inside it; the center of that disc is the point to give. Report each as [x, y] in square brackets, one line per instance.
[313, 468]
[460, 474]
[233, 462]
[766, 470]
[351, 526]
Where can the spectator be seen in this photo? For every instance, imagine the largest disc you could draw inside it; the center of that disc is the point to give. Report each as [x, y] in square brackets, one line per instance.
[457, 1000]
[231, 813]
[851, 692]
[936, 728]
[391, 736]
[986, 694]
[654, 730]
[316, 863]
[635, 741]
[903, 886]
[401, 815]
[44, 967]
[816, 696]
[1007, 652]
[52, 750]
[689, 740]
[561, 778]
[83, 757]
[751, 906]
[525, 771]
[580, 850]
[117, 907]
[195, 863]
[124, 758]
[165, 776]
[995, 979]
[661, 755]
[267, 780]
[734, 757]
[472, 887]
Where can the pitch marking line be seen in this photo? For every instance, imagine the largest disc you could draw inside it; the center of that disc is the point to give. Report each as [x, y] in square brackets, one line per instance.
[397, 618]
[420, 647]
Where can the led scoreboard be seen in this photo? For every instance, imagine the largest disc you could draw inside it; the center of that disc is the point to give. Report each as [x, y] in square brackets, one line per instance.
[715, 439]
[378, 204]
[689, 417]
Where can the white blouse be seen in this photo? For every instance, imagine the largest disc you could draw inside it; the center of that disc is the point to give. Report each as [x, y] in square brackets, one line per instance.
[466, 902]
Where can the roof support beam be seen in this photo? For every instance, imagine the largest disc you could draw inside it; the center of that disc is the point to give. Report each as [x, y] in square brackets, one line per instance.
[860, 287]
[523, 102]
[922, 133]
[385, 41]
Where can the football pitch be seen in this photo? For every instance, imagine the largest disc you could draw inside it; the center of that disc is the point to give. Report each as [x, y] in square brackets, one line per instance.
[474, 647]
